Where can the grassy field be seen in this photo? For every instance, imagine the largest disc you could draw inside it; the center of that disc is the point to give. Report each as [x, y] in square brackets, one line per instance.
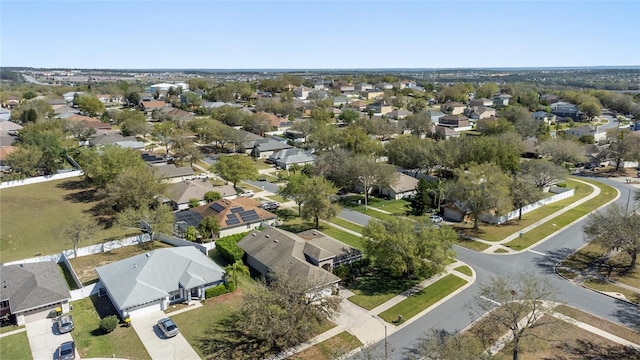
[347, 224]
[426, 297]
[472, 244]
[123, 342]
[465, 270]
[329, 349]
[33, 217]
[16, 347]
[352, 240]
[372, 291]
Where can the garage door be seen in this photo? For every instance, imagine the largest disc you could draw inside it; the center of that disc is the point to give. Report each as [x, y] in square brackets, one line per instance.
[144, 309]
[39, 314]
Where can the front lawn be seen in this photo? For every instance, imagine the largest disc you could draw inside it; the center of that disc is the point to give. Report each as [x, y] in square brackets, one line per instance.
[347, 224]
[374, 290]
[420, 301]
[33, 217]
[15, 346]
[354, 241]
[331, 348]
[465, 270]
[123, 342]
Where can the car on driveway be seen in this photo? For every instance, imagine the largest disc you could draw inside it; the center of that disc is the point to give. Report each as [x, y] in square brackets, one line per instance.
[65, 324]
[168, 327]
[435, 219]
[270, 205]
[248, 193]
[67, 351]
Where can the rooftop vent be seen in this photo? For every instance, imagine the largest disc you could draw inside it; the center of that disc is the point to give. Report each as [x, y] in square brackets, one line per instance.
[275, 241]
[267, 236]
[253, 234]
[147, 255]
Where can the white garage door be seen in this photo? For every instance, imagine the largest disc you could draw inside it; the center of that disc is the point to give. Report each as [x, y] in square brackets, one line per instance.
[144, 309]
[39, 314]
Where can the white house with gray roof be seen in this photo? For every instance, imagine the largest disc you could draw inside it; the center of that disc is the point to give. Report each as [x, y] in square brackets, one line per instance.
[284, 159]
[151, 282]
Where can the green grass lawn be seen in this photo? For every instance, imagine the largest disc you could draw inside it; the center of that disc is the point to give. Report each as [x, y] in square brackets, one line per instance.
[426, 297]
[6, 329]
[465, 270]
[608, 287]
[607, 193]
[33, 217]
[123, 342]
[243, 186]
[397, 207]
[15, 347]
[472, 244]
[352, 240]
[347, 224]
[331, 348]
[277, 198]
[371, 291]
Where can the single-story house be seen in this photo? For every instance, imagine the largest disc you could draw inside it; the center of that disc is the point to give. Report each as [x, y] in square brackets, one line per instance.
[90, 122]
[31, 291]
[110, 138]
[267, 146]
[182, 192]
[598, 133]
[173, 173]
[566, 110]
[274, 250]
[480, 112]
[150, 282]
[481, 102]
[399, 114]
[68, 97]
[404, 187]
[543, 117]
[152, 158]
[234, 216]
[294, 156]
[149, 106]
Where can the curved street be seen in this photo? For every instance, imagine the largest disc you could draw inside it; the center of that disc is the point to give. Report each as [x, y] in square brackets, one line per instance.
[453, 315]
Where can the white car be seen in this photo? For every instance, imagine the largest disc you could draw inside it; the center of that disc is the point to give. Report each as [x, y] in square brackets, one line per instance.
[436, 219]
[248, 193]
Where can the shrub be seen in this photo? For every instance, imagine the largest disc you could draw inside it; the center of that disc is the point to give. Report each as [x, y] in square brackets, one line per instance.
[109, 323]
[194, 203]
[230, 286]
[211, 196]
[229, 249]
[215, 291]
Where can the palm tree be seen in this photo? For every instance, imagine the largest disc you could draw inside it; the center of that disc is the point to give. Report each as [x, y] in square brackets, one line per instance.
[234, 269]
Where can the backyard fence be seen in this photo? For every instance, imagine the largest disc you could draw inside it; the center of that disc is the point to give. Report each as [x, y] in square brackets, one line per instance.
[39, 179]
[175, 241]
[560, 194]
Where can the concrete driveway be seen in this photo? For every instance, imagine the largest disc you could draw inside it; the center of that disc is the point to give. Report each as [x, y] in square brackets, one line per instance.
[157, 346]
[44, 339]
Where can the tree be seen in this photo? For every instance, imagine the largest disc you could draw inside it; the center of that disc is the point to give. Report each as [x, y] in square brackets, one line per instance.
[186, 150]
[133, 98]
[404, 248]
[562, 151]
[80, 130]
[317, 203]
[525, 303]
[368, 173]
[480, 190]
[417, 105]
[164, 132]
[501, 125]
[590, 109]
[615, 228]
[134, 122]
[348, 116]
[258, 123]
[102, 167]
[421, 200]
[78, 230]
[624, 146]
[294, 189]
[356, 140]
[542, 172]
[135, 188]
[487, 90]
[411, 152]
[29, 115]
[443, 345]
[255, 152]
[419, 123]
[211, 196]
[523, 193]
[238, 267]
[235, 168]
[193, 100]
[210, 227]
[193, 202]
[158, 220]
[89, 104]
[24, 160]
[191, 233]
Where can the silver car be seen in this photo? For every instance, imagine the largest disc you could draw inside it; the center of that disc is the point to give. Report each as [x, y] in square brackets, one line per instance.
[65, 324]
[67, 351]
[168, 327]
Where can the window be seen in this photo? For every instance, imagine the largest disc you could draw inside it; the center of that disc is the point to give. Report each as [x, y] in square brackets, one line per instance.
[4, 304]
[175, 295]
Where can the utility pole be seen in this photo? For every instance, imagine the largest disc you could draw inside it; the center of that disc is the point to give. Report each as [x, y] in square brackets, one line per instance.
[386, 344]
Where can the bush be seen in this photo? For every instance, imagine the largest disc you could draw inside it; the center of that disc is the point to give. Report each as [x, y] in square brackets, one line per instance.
[109, 323]
[215, 291]
[229, 249]
[230, 285]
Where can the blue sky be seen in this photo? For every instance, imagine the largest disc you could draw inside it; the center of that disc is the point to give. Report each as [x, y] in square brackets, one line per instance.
[318, 34]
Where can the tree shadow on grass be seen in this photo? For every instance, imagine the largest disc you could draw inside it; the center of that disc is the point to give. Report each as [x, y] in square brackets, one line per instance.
[628, 314]
[587, 350]
[377, 284]
[224, 341]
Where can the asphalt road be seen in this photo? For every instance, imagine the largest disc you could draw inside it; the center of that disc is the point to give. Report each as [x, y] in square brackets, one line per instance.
[454, 314]
[264, 185]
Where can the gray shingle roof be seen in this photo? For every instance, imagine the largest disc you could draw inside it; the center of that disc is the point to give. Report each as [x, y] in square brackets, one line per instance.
[32, 285]
[151, 276]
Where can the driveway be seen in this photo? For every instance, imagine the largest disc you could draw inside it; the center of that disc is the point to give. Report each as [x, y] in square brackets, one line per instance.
[44, 339]
[157, 346]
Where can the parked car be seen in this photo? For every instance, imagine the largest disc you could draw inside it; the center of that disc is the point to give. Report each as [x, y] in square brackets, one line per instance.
[248, 193]
[67, 351]
[65, 324]
[168, 327]
[436, 219]
[270, 205]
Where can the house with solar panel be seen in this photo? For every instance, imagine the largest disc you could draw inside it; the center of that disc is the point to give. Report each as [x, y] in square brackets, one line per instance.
[234, 216]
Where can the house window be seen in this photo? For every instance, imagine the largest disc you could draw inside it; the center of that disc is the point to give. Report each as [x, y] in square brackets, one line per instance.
[175, 295]
[4, 304]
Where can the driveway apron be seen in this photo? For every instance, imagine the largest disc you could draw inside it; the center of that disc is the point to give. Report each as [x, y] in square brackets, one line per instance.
[44, 339]
[157, 346]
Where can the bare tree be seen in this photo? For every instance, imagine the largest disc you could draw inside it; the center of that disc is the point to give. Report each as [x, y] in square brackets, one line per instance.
[78, 230]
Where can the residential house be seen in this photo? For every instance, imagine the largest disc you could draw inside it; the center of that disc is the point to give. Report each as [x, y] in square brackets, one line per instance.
[153, 159]
[150, 105]
[597, 132]
[530, 148]
[8, 132]
[234, 216]
[319, 85]
[302, 92]
[12, 102]
[380, 108]
[89, 121]
[403, 84]
[339, 101]
[444, 132]
[453, 108]
[113, 138]
[457, 122]
[404, 187]
[177, 114]
[481, 102]
[164, 87]
[480, 112]
[384, 86]
[267, 146]
[566, 110]
[56, 103]
[150, 282]
[284, 159]
[109, 99]
[543, 117]
[181, 193]
[373, 94]
[501, 100]
[363, 87]
[278, 124]
[344, 87]
[173, 173]
[358, 105]
[399, 114]
[31, 291]
[68, 97]
[274, 250]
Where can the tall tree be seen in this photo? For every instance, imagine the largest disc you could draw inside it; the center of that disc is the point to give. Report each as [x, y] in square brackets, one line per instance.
[78, 230]
[562, 151]
[542, 172]
[615, 228]
[369, 173]
[317, 204]
[480, 190]
[590, 109]
[294, 189]
[421, 201]
[235, 168]
[408, 249]
[102, 166]
[524, 304]
[419, 123]
[89, 104]
[209, 226]
[523, 193]
[135, 188]
[164, 132]
[152, 221]
[487, 90]
[624, 146]
[24, 161]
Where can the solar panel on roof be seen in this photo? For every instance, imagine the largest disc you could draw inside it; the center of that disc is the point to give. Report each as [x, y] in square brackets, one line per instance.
[237, 209]
[233, 221]
[249, 216]
[232, 216]
[217, 207]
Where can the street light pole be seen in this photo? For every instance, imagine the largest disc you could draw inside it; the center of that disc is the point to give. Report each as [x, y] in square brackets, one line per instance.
[386, 345]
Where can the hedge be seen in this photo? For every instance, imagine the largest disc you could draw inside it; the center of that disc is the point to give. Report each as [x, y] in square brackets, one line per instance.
[215, 291]
[229, 249]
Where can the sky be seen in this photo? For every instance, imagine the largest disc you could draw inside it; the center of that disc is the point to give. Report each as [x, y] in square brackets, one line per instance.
[347, 34]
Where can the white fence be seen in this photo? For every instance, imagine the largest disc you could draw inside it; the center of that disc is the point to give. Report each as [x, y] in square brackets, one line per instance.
[39, 179]
[85, 291]
[175, 241]
[561, 193]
